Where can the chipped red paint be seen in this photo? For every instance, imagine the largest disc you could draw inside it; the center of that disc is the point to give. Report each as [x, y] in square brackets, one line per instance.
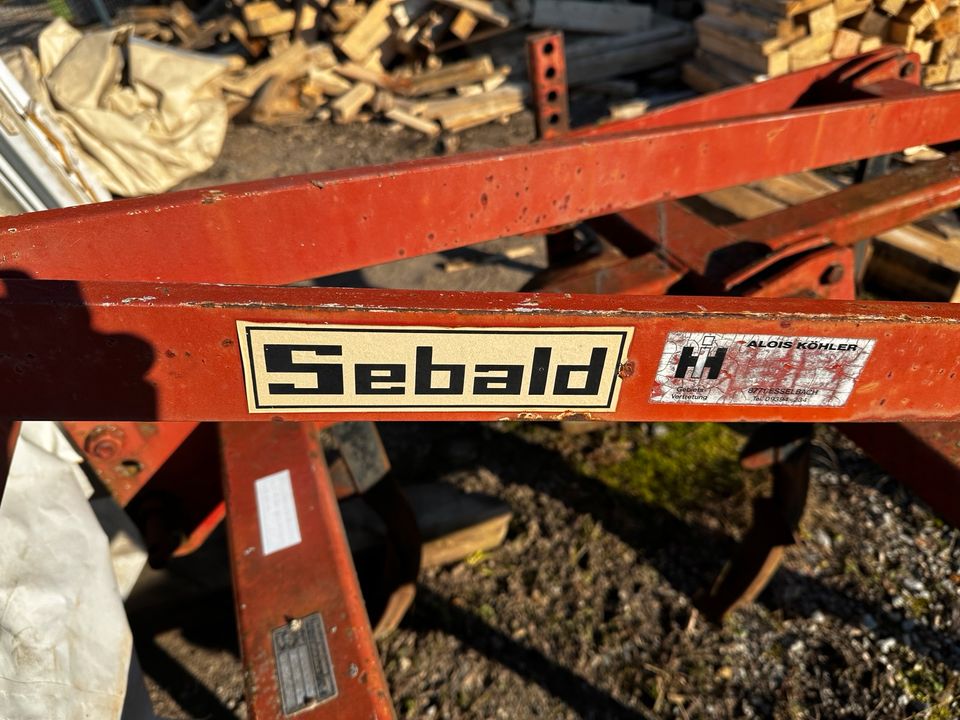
[169, 351]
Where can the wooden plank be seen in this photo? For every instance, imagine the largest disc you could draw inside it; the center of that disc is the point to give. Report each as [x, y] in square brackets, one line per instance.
[453, 524]
[935, 74]
[482, 9]
[872, 23]
[265, 18]
[466, 112]
[906, 266]
[287, 65]
[628, 60]
[802, 62]
[871, 42]
[427, 127]
[446, 77]
[594, 17]
[821, 20]
[701, 79]
[947, 25]
[812, 46]
[909, 261]
[847, 9]
[355, 71]
[892, 7]
[788, 8]
[901, 33]
[845, 44]
[751, 18]
[920, 14]
[368, 33]
[346, 107]
[923, 48]
[463, 24]
[345, 15]
[721, 67]
[747, 55]
[749, 40]
[744, 202]
[329, 82]
[945, 50]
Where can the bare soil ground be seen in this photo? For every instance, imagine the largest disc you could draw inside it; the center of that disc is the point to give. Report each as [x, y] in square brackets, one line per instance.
[586, 610]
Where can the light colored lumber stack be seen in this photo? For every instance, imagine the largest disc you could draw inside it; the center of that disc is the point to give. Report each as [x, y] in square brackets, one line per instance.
[750, 40]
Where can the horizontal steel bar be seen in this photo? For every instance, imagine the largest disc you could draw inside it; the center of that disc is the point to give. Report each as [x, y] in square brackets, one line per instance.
[776, 95]
[278, 231]
[137, 351]
[862, 210]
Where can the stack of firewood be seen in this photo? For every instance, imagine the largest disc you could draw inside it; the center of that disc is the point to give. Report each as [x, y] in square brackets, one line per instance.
[742, 41]
[347, 60]
[423, 64]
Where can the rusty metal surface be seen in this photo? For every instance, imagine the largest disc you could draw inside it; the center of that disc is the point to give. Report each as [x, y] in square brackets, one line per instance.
[277, 231]
[923, 456]
[774, 524]
[125, 455]
[863, 210]
[828, 82]
[171, 352]
[315, 575]
[547, 70]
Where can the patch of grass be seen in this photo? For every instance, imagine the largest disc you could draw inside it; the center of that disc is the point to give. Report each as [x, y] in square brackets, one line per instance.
[684, 467]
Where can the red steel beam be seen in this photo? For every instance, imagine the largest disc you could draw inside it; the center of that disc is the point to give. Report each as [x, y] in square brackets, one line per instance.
[842, 78]
[841, 218]
[306, 640]
[862, 210]
[278, 231]
[167, 352]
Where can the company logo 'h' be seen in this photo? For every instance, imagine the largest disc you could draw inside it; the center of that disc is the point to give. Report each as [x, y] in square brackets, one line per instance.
[701, 361]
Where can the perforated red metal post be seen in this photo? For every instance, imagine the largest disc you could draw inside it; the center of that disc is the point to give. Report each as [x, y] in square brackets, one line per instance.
[547, 68]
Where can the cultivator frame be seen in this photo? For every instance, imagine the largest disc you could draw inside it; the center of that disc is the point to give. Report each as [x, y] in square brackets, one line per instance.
[105, 325]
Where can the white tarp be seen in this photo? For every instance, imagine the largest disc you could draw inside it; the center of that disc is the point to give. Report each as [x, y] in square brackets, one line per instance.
[145, 116]
[65, 646]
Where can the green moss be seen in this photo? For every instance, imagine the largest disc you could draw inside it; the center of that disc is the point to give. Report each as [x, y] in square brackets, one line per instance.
[688, 465]
[923, 683]
[918, 607]
[940, 712]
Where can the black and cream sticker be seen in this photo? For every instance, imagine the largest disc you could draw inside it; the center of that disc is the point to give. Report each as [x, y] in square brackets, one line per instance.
[724, 369]
[325, 368]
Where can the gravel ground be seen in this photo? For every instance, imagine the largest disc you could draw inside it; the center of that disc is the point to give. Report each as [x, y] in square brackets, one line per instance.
[586, 610]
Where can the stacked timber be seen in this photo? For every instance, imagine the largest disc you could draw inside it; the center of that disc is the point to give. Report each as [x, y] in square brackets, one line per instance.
[349, 60]
[423, 64]
[742, 41]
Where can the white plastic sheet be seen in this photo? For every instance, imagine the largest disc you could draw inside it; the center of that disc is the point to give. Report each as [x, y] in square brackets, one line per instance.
[65, 646]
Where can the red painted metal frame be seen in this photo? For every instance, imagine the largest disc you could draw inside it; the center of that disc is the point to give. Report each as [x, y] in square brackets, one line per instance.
[315, 575]
[125, 456]
[169, 352]
[278, 231]
[130, 346]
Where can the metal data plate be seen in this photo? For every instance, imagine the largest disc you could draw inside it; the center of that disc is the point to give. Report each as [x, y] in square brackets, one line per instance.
[304, 668]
